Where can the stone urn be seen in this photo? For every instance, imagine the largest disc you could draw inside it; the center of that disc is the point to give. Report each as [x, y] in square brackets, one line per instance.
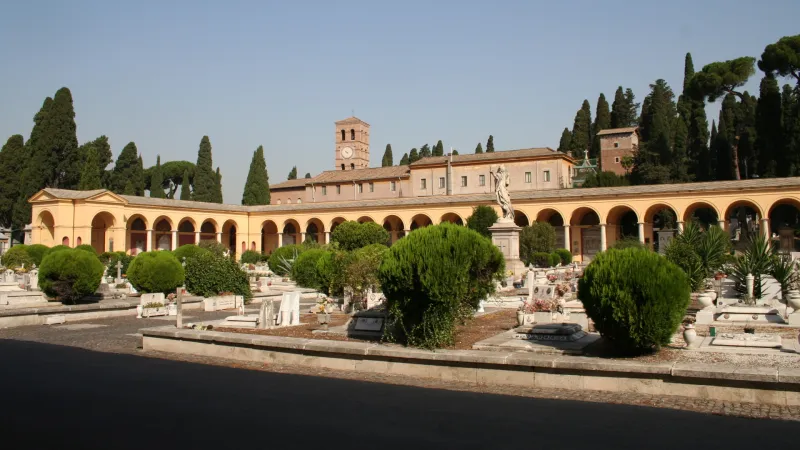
[689, 334]
[704, 300]
[323, 318]
[794, 301]
[711, 293]
[520, 318]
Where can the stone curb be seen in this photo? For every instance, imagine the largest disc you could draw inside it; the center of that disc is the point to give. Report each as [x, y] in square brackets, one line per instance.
[786, 378]
[77, 308]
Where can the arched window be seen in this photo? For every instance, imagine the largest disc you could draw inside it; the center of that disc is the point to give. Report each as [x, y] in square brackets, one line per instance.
[352, 134]
[342, 166]
[342, 135]
[299, 201]
[352, 166]
[65, 241]
[288, 201]
[279, 201]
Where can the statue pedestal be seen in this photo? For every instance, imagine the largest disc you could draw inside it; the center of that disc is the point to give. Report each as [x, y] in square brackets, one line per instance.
[505, 235]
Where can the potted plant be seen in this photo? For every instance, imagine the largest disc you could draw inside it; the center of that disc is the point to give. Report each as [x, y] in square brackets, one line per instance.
[150, 309]
[689, 332]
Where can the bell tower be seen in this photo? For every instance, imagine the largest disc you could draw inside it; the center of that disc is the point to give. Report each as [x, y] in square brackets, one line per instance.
[352, 144]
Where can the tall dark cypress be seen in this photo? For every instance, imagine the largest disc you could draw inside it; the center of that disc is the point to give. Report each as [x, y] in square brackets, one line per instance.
[479, 148]
[490, 144]
[404, 160]
[769, 129]
[138, 177]
[256, 188]
[218, 187]
[654, 160]
[438, 149]
[157, 180]
[711, 170]
[582, 129]
[564, 145]
[34, 176]
[388, 159]
[104, 156]
[186, 183]
[292, 173]
[90, 175]
[791, 127]
[602, 122]
[64, 160]
[617, 108]
[413, 156]
[425, 151]
[125, 169]
[13, 157]
[205, 181]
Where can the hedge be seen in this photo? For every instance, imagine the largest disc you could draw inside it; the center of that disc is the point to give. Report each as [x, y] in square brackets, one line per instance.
[37, 252]
[210, 275]
[70, 274]
[304, 270]
[351, 235]
[16, 257]
[250, 257]
[188, 252]
[156, 271]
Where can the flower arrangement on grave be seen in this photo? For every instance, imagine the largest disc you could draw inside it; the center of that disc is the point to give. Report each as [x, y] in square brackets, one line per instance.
[539, 305]
[324, 304]
[568, 275]
[552, 278]
[171, 297]
[154, 305]
[562, 289]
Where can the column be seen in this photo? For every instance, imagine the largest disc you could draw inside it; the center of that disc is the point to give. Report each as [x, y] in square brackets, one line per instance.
[219, 237]
[602, 237]
[765, 229]
[721, 224]
[280, 240]
[641, 232]
[174, 239]
[196, 237]
[149, 245]
[680, 227]
[302, 237]
[567, 238]
[327, 237]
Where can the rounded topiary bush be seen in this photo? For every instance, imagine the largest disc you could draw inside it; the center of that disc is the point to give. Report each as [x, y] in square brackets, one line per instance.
[540, 259]
[280, 261]
[330, 271]
[57, 248]
[214, 247]
[37, 252]
[433, 278]
[16, 257]
[250, 257]
[304, 270]
[69, 275]
[209, 275]
[188, 252]
[87, 248]
[636, 298]
[565, 255]
[157, 271]
[351, 235]
[555, 259]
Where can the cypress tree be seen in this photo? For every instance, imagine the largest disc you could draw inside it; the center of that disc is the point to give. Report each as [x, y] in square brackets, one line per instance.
[582, 129]
[64, 160]
[34, 176]
[256, 188]
[13, 157]
[413, 156]
[479, 148]
[292, 174]
[722, 150]
[425, 151]
[125, 169]
[138, 177]
[455, 152]
[791, 128]
[769, 128]
[388, 159]
[157, 180]
[205, 181]
[438, 149]
[129, 189]
[218, 188]
[711, 170]
[308, 175]
[104, 156]
[680, 161]
[490, 144]
[186, 193]
[617, 107]
[565, 144]
[602, 122]
[90, 175]
[654, 160]
[404, 160]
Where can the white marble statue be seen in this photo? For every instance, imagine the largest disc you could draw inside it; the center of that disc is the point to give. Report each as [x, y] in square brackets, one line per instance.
[501, 192]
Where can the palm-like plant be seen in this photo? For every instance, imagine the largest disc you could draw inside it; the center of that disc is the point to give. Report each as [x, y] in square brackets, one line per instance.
[782, 268]
[757, 260]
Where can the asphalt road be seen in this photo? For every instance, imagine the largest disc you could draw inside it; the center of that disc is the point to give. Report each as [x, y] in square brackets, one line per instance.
[66, 397]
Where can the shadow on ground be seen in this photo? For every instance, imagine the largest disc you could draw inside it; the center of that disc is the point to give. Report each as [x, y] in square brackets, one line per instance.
[75, 398]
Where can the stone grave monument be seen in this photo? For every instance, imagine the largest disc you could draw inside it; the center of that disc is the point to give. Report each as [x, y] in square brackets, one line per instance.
[289, 311]
[505, 233]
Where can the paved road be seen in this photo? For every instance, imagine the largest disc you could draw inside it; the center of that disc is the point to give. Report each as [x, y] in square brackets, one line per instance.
[56, 396]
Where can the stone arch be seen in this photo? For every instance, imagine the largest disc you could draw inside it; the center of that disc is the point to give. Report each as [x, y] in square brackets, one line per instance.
[136, 234]
[186, 231]
[586, 233]
[162, 233]
[78, 241]
[208, 230]
[521, 219]
[229, 229]
[660, 224]
[452, 218]
[269, 236]
[784, 218]
[395, 227]
[420, 221]
[365, 219]
[315, 230]
[622, 221]
[291, 232]
[743, 220]
[102, 222]
[336, 222]
[704, 212]
[551, 216]
[585, 216]
[47, 228]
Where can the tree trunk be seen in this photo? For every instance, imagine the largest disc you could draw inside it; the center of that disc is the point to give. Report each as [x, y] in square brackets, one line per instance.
[735, 156]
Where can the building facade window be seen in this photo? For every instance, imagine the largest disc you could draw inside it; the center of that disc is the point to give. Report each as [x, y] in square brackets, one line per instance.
[360, 187]
[546, 176]
[441, 183]
[352, 166]
[616, 144]
[527, 177]
[324, 190]
[338, 189]
[393, 186]
[423, 184]
[352, 134]
[616, 159]
[482, 180]
[299, 201]
[342, 135]
[288, 201]
[279, 201]
[463, 181]
[372, 187]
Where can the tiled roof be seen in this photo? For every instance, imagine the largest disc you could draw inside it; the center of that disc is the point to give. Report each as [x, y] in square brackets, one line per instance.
[72, 195]
[347, 176]
[617, 131]
[480, 157]
[150, 201]
[300, 182]
[351, 119]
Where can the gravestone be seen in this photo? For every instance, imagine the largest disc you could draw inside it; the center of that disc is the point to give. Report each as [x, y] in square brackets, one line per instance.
[664, 239]
[8, 276]
[118, 280]
[157, 297]
[33, 280]
[289, 312]
[374, 299]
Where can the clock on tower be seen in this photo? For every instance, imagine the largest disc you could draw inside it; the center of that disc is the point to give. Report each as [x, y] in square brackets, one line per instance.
[352, 144]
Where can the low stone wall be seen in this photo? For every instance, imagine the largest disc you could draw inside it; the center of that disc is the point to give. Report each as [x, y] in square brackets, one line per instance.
[20, 317]
[725, 383]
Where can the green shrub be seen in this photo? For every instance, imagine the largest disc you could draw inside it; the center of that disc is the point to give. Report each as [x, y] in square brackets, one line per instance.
[57, 248]
[188, 252]
[37, 252]
[539, 237]
[330, 271]
[565, 255]
[214, 247]
[16, 257]
[111, 259]
[481, 219]
[209, 275]
[683, 255]
[70, 274]
[629, 242]
[540, 259]
[157, 271]
[87, 248]
[433, 278]
[304, 270]
[281, 260]
[555, 259]
[360, 269]
[351, 235]
[636, 298]
[250, 257]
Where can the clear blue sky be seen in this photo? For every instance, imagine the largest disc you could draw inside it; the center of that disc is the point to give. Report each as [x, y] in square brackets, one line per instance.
[278, 74]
